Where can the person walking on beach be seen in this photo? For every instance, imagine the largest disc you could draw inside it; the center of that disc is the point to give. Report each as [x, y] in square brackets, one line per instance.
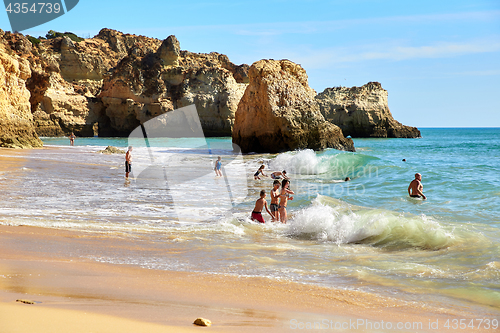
[275, 197]
[259, 205]
[279, 174]
[415, 188]
[218, 166]
[72, 139]
[256, 175]
[128, 161]
[284, 197]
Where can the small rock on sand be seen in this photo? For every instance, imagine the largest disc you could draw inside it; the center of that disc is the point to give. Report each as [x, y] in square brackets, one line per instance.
[202, 322]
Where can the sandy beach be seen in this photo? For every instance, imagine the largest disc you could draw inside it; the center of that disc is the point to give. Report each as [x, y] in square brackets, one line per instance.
[70, 292]
[131, 134]
[94, 297]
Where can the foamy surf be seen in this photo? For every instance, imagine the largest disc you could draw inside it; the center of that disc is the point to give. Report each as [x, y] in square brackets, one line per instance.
[331, 163]
[331, 220]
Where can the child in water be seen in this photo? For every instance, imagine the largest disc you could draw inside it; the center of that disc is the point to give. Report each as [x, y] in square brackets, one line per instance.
[218, 166]
[284, 197]
[275, 197]
[256, 175]
[259, 205]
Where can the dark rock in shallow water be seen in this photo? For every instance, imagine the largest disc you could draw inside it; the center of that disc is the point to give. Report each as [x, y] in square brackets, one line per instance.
[111, 150]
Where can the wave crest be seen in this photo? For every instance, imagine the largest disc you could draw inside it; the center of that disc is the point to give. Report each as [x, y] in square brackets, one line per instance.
[332, 220]
[307, 162]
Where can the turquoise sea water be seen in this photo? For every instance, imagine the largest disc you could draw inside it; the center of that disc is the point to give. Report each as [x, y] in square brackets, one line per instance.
[364, 234]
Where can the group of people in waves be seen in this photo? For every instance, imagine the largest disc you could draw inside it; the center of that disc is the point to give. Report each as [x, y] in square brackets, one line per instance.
[280, 194]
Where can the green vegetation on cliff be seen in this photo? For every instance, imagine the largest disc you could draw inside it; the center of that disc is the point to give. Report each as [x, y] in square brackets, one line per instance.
[54, 34]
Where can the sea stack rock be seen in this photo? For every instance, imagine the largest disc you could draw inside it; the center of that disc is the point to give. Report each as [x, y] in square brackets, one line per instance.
[362, 112]
[278, 112]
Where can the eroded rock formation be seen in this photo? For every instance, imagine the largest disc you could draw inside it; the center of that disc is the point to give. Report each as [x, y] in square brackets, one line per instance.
[109, 84]
[145, 85]
[362, 112]
[16, 121]
[74, 75]
[278, 112]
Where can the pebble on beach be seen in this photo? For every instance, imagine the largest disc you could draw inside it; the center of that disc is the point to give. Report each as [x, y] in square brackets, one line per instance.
[202, 322]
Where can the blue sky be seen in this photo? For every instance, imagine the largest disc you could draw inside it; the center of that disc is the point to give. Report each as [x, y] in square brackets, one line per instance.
[439, 60]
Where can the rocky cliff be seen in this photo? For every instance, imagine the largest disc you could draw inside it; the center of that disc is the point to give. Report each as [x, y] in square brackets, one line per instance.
[145, 85]
[278, 112]
[16, 121]
[109, 84]
[69, 102]
[362, 112]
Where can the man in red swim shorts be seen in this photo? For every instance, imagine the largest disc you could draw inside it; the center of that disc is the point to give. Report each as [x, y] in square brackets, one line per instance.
[259, 205]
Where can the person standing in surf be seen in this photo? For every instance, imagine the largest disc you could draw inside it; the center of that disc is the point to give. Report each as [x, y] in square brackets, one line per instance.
[128, 161]
[275, 197]
[72, 139]
[259, 205]
[218, 166]
[284, 197]
[415, 188]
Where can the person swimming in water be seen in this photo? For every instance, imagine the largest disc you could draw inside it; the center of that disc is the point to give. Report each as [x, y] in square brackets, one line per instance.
[284, 197]
[259, 205]
[415, 188]
[279, 174]
[260, 171]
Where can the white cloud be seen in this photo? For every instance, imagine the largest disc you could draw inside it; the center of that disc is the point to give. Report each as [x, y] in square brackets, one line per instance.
[438, 50]
[324, 27]
[309, 27]
[391, 51]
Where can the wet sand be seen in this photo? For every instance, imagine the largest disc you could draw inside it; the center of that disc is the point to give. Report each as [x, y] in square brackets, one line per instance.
[69, 292]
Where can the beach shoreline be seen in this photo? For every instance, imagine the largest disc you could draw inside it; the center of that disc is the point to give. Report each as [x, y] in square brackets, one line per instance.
[61, 283]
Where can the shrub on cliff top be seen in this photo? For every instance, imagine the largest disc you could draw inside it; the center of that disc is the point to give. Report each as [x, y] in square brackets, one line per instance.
[33, 40]
[54, 34]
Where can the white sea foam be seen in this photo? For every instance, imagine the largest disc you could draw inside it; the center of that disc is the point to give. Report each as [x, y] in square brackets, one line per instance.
[328, 219]
[304, 162]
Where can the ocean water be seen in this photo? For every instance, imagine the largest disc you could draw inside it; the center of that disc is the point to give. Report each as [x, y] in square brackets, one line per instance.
[364, 234]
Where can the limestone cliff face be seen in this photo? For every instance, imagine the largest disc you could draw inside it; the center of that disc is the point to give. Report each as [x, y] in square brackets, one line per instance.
[16, 121]
[278, 112]
[362, 112]
[109, 84]
[145, 85]
[72, 75]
